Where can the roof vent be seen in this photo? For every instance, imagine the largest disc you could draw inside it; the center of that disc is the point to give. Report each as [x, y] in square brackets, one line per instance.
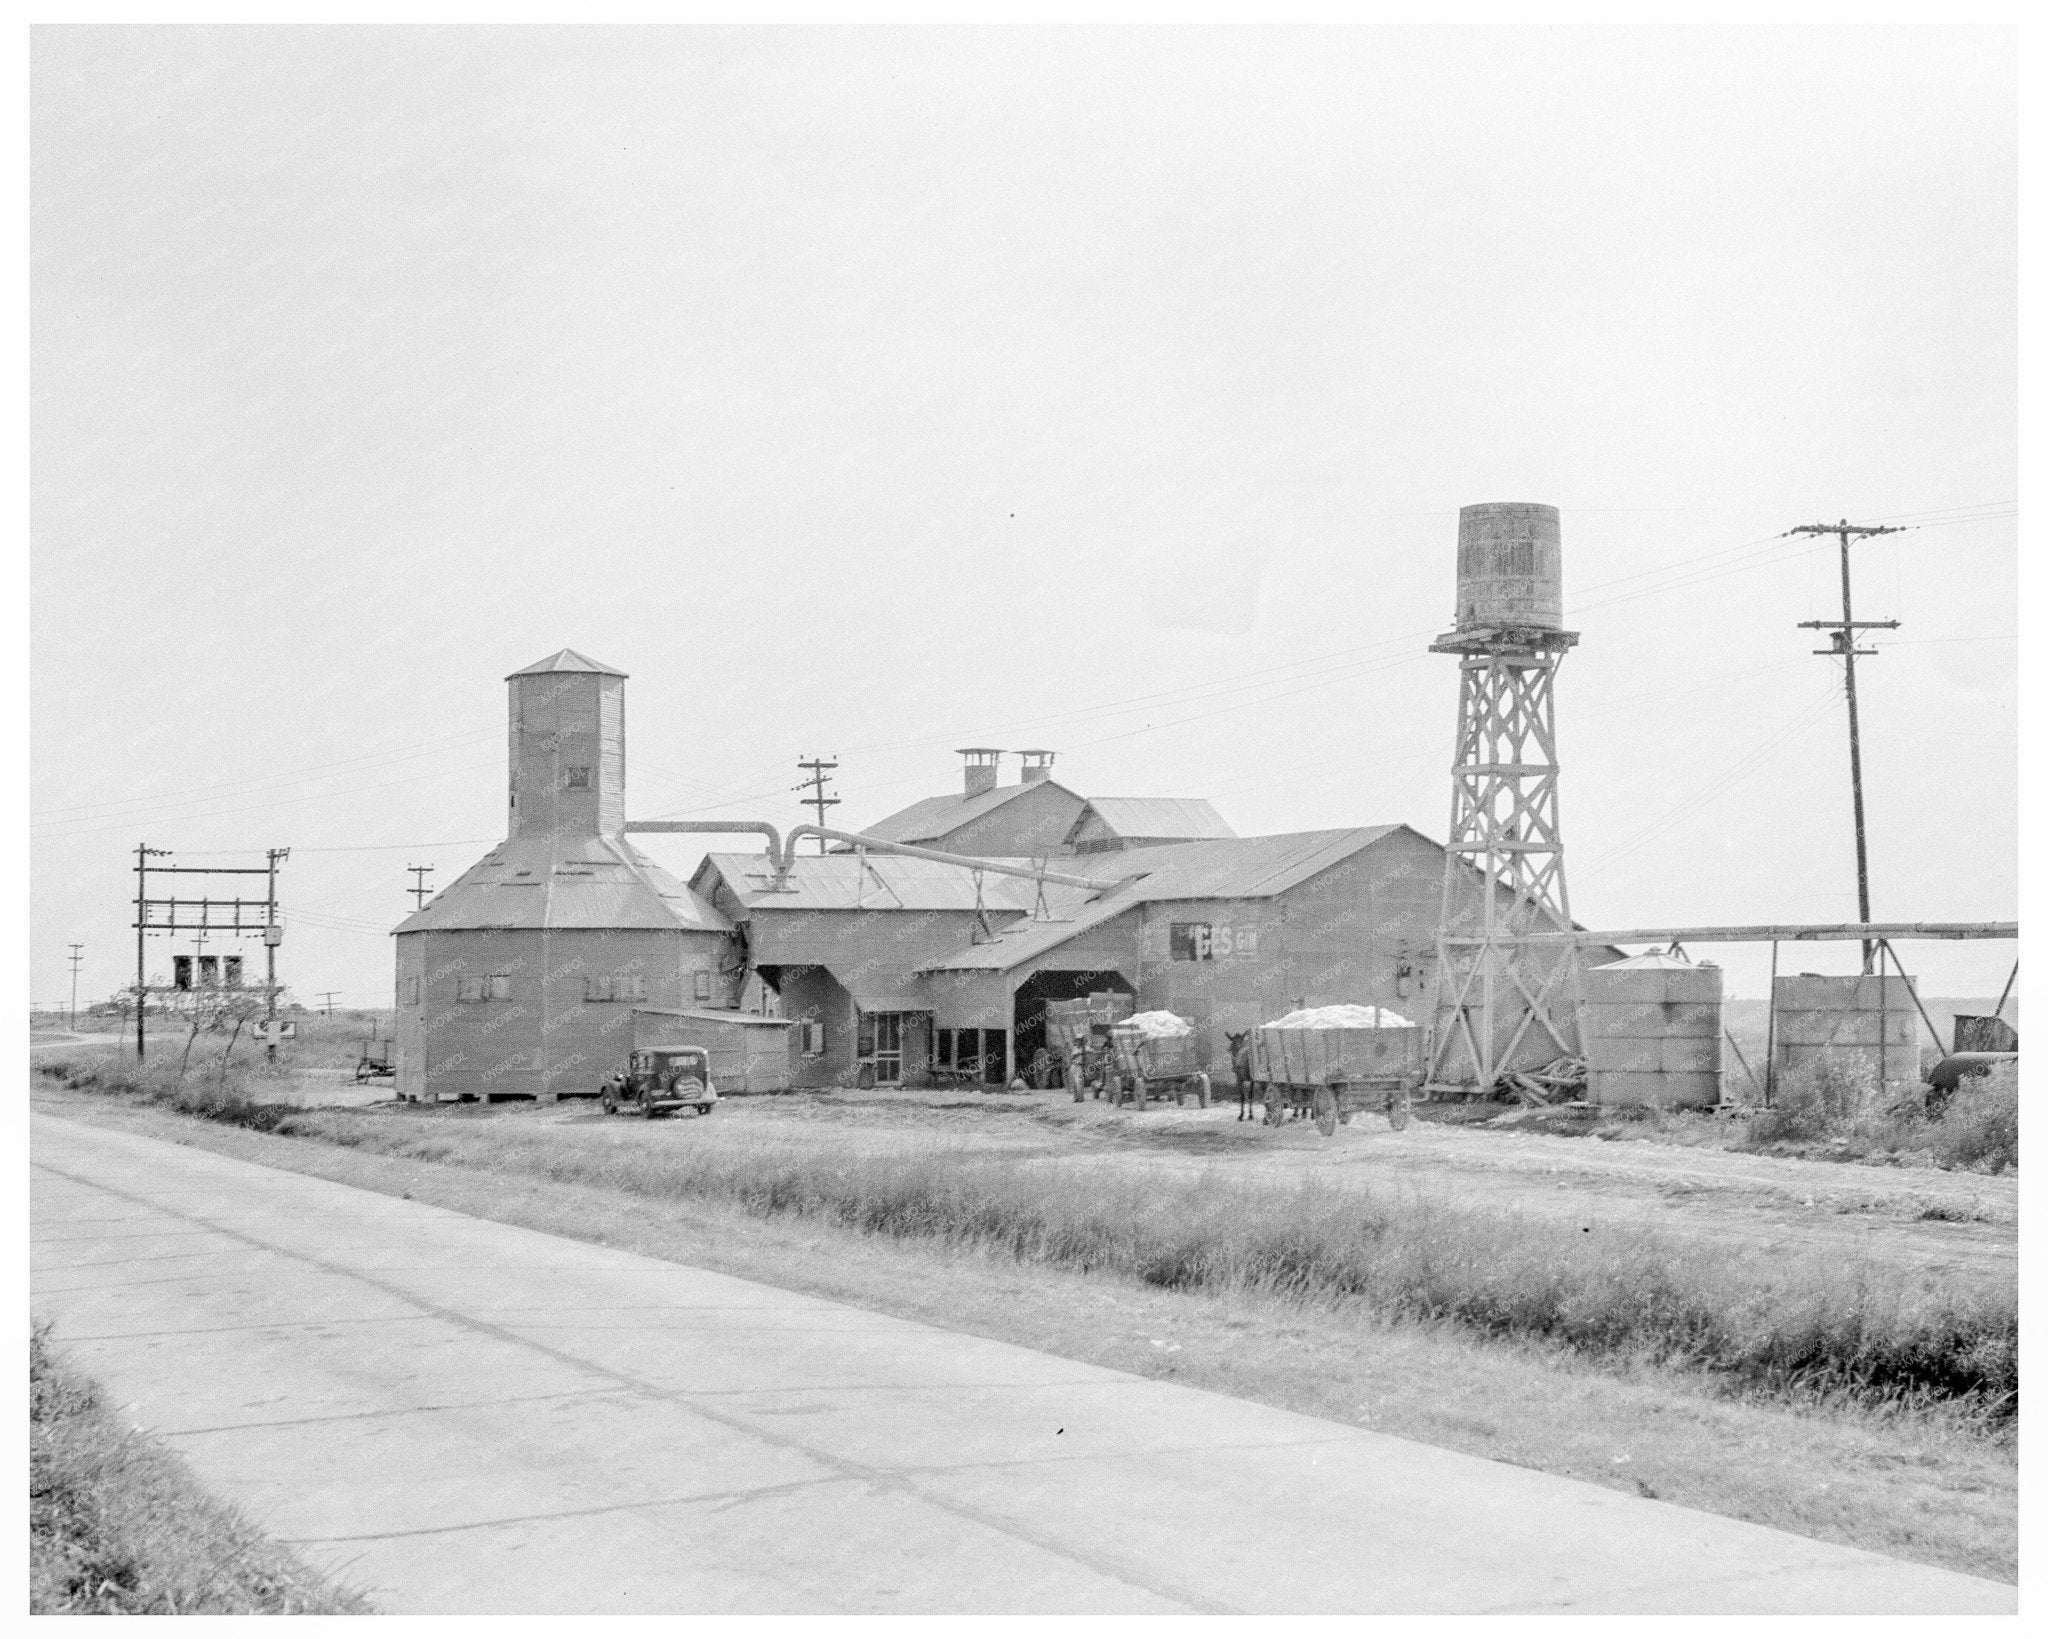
[984, 764]
[1037, 765]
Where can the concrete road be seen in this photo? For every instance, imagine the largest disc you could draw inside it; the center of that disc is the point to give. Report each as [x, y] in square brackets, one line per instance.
[461, 1416]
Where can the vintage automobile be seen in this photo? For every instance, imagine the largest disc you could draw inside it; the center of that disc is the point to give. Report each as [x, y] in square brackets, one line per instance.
[660, 1080]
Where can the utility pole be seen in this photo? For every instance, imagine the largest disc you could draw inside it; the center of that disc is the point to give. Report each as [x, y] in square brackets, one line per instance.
[327, 1002]
[819, 768]
[273, 936]
[77, 956]
[419, 889]
[143, 854]
[1844, 646]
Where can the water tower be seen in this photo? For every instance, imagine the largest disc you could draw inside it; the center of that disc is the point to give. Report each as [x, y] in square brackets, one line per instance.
[1504, 1004]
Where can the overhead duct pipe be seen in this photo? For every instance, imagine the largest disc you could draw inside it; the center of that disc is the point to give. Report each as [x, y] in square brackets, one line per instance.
[966, 862]
[727, 826]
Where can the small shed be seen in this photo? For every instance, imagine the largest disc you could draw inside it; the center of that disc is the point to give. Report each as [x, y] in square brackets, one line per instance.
[749, 1053]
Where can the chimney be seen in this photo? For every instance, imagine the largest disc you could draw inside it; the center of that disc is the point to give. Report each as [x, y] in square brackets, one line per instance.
[984, 763]
[1037, 766]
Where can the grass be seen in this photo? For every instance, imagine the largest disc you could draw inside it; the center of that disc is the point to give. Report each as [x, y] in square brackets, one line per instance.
[1786, 1324]
[1926, 1483]
[1823, 1111]
[117, 1526]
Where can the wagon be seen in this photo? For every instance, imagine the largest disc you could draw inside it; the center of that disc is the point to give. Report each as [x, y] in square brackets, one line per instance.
[1145, 1066]
[660, 1080]
[375, 1060]
[1337, 1071]
[1077, 1035]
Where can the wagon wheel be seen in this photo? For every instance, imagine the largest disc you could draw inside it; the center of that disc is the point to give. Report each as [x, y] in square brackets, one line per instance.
[647, 1105]
[1202, 1089]
[1397, 1110]
[1138, 1091]
[1075, 1084]
[1326, 1112]
[1276, 1104]
[609, 1100]
[1180, 1095]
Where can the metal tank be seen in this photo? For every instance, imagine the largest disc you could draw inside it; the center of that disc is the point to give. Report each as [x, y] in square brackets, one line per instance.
[1510, 566]
[1857, 1019]
[1653, 1033]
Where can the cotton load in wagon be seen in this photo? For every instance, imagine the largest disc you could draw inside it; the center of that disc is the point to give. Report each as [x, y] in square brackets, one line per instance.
[1343, 1016]
[1156, 1024]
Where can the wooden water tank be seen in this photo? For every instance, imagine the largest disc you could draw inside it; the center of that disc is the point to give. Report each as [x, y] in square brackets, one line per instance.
[1510, 566]
[1653, 1033]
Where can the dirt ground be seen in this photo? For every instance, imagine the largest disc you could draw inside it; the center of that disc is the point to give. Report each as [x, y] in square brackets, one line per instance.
[1956, 1225]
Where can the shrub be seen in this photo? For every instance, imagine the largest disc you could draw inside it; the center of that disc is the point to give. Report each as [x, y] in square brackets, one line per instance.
[1980, 1125]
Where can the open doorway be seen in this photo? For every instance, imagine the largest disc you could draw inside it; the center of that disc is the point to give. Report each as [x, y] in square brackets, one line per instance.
[1054, 985]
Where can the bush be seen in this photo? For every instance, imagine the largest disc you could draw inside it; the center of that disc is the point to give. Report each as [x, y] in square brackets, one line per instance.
[1980, 1126]
[212, 1089]
[1820, 1098]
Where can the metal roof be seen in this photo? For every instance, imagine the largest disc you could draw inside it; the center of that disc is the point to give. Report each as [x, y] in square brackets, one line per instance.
[1225, 868]
[880, 882]
[1180, 818]
[565, 882]
[565, 660]
[936, 816]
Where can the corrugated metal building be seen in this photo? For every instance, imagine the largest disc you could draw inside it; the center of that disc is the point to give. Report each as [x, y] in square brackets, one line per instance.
[841, 944]
[1108, 824]
[899, 968]
[1227, 932]
[990, 821]
[520, 977]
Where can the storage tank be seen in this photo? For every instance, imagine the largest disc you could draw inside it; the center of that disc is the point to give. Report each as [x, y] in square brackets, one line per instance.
[1653, 1033]
[1858, 1019]
[1510, 566]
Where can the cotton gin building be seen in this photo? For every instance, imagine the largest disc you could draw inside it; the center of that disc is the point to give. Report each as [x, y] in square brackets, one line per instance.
[521, 976]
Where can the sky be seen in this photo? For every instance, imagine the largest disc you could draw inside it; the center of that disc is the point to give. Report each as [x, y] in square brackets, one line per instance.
[867, 393]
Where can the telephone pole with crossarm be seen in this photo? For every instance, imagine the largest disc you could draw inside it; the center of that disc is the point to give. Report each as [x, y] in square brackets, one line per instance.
[1844, 646]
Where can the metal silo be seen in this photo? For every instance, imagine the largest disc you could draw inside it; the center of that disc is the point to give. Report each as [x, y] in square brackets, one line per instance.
[1510, 566]
[1862, 1021]
[1653, 1033]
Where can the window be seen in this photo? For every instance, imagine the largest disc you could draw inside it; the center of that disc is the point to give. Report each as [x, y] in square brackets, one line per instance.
[701, 984]
[500, 986]
[412, 991]
[623, 987]
[814, 1039]
[471, 989]
[576, 779]
[942, 1049]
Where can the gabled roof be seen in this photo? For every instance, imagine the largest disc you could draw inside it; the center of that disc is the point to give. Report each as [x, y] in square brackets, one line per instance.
[1181, 818]
[841, 882]
[565, 660]
[1226, 868]
[936, 816]
[565, 882]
